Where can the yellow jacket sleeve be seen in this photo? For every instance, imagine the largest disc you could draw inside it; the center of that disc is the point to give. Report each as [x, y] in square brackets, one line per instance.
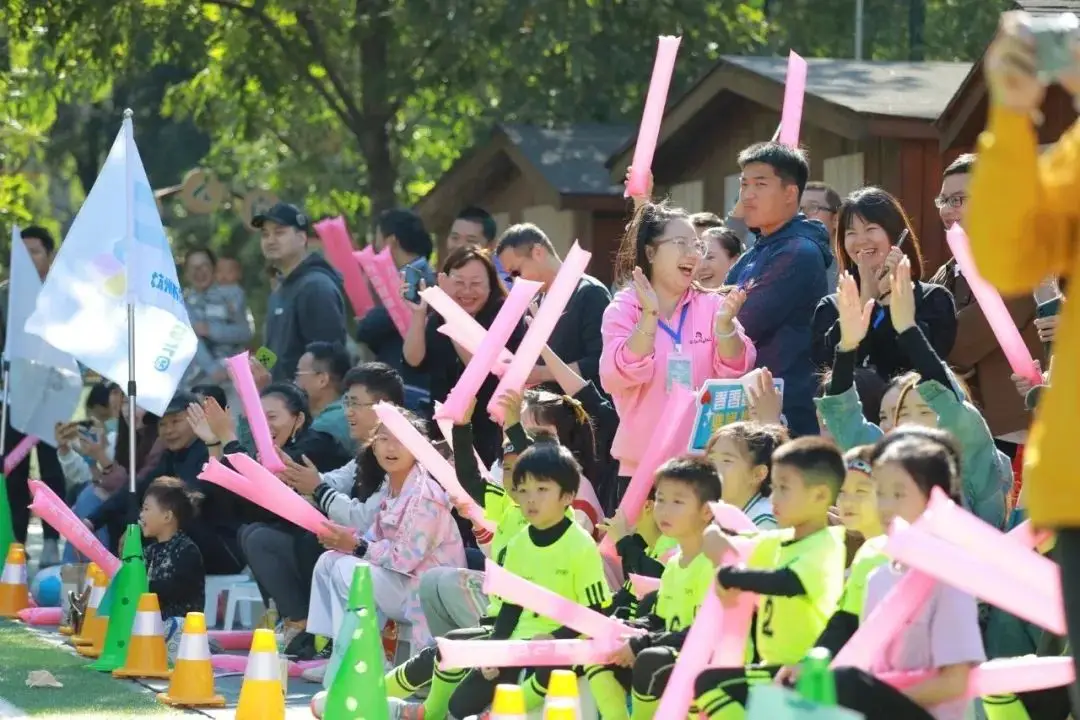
[1022, 211]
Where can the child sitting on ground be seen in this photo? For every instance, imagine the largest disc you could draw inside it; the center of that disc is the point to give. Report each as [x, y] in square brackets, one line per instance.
[797, 572]
[684, 488]
[907, 465]
[742, 453]
[553, 552]
[174, 565]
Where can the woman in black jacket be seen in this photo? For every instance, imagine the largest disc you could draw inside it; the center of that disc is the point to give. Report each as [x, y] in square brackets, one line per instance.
[469, 277]
[872, 233]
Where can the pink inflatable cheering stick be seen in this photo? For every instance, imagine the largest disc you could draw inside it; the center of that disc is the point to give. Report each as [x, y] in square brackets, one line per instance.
[950, 522]
[386, 282]
[456, 654]
[464, 392]
[239, 369]
[54, 511]
[338, 248]
[461, 327]
[668, 442]
[1006, 676]
[643, 585]
[446, 427]
[649, 131]
[276, 496]
[519, 591]
[19, 453]
[254, 492]
[794, 94]
[732, 518]
[430, 459]
[541, 327]
[993, 308]
[386, 286]
[714, 621]
[896, 611]
[915, 547]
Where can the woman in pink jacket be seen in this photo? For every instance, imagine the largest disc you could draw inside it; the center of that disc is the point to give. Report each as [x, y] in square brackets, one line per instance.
[664, 329]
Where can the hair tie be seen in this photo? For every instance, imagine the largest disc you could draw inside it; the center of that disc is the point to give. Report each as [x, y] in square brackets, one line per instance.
[580, 416]
[859, 465]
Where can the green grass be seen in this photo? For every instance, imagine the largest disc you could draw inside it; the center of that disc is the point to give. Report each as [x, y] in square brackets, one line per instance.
[86, 693]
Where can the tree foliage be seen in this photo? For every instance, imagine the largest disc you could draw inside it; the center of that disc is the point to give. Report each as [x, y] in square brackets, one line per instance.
[353, 106]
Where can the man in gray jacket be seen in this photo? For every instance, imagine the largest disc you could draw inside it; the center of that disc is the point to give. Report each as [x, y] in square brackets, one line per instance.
[309, 302]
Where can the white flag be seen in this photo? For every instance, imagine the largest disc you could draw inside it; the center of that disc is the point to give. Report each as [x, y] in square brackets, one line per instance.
[116, 252]
[45, 384]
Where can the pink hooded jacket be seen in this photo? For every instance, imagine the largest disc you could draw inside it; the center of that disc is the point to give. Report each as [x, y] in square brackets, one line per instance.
[637, 383]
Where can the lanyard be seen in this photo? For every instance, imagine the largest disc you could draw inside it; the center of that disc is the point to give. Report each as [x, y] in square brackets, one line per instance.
[676, 335]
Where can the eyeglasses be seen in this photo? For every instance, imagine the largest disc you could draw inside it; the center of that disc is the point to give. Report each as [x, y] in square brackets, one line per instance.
[353, 404]
[687, 245]
[478, 286]
[812, 207]
[954, 201]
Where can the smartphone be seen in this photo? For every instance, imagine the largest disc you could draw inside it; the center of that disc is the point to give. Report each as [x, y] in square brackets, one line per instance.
[1055, 37]
[413, 276]
[266, 357]
[1050, 308]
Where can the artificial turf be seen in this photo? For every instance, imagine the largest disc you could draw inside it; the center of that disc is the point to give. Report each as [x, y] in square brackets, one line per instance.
[86, 693]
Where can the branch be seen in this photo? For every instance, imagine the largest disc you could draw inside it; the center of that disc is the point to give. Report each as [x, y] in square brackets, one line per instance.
[307, 22]
[283, 43]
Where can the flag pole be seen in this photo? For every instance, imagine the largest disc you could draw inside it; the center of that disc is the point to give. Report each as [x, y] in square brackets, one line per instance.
[129, 238]
[4, 410]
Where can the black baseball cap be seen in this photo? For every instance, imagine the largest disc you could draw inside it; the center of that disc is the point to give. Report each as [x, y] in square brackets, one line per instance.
[283, 214]
[180, 402]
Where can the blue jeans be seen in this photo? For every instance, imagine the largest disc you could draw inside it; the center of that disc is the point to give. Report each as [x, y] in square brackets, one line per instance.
[86, 503]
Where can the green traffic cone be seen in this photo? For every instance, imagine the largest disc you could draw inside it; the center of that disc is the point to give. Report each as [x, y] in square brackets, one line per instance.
[7, 532]
[127, 587]
[816, 681]
[359, 681]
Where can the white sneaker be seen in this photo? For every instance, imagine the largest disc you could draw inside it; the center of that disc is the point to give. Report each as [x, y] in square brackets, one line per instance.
[318, 703]
[315, 674]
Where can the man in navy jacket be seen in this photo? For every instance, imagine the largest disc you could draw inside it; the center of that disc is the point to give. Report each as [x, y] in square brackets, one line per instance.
[784, 273]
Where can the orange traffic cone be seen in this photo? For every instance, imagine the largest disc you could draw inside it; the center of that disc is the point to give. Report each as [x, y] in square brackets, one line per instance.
[262, 696]
[93, 625]
[14, 595]
[192, 683]
[146, 657]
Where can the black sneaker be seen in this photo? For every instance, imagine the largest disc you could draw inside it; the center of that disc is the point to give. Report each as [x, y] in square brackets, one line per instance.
[302, 647]
[326, 652]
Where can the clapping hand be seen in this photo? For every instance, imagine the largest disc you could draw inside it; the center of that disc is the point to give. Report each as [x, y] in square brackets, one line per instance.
[729, 308]
[196, 418]
[301, 478]
[853, 312]
[764, 402]
[645, 294]
[221, 423]
[902, 306]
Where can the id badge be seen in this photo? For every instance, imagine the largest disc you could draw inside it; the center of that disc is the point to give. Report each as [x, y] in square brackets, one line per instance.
[680, 371]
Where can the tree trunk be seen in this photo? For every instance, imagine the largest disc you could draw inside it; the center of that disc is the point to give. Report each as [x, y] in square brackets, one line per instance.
[373, 30]
[916, 30]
